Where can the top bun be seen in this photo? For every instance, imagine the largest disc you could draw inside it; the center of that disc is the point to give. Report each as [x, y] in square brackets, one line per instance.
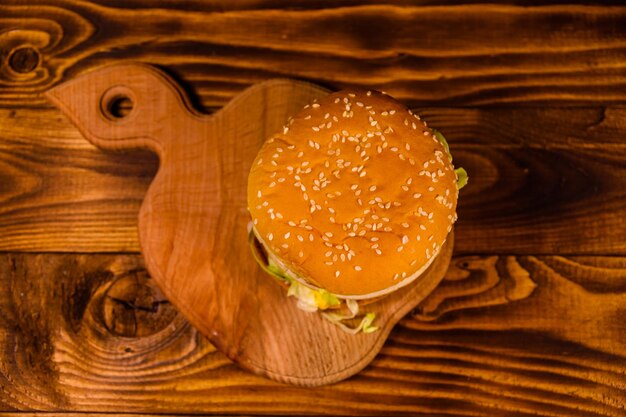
[355, 195]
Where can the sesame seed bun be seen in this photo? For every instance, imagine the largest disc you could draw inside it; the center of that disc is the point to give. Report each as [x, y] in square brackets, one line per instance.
[355, 195]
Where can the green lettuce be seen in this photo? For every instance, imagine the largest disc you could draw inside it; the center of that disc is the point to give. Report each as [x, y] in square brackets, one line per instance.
[310, 299]
[462, 177]
[461, 174]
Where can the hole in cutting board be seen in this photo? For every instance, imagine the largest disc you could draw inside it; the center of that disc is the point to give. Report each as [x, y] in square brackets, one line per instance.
[118, 103]
[118, 107]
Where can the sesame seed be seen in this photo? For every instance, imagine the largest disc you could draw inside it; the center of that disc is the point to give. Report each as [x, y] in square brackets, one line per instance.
[270, 236]
[417, 195]
[301, 254]
[315, 105]
[373, 188]
[337, 273]
[400, 248]
[287, 235]
[405, 239]
[311, 237]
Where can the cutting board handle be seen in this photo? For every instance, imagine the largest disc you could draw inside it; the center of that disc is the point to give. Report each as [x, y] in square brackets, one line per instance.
[127, 106]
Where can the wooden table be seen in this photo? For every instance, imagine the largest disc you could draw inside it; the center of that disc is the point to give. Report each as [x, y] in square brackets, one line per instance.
[531, 319]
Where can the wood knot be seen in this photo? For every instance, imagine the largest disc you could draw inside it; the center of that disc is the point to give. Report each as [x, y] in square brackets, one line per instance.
[24, 59]
[133, 306]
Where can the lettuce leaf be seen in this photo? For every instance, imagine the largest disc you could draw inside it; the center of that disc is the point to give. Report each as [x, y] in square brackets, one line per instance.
[365, 325]
[310, 299]
[439, 136]
[462, 177]
[461, 174]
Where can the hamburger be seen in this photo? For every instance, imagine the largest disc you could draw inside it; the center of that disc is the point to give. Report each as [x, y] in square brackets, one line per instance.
[351, 201]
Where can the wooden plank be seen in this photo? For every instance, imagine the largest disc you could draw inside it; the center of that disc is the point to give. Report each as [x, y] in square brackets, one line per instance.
[533, 176]
[502, 336]
[437, 53]
[59, 192]
[65, 414]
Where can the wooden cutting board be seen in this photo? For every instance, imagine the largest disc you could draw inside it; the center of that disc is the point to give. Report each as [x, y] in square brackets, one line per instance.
[192, 224]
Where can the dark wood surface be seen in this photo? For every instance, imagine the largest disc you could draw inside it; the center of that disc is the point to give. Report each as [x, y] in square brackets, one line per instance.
[530, 319]
[93, 332]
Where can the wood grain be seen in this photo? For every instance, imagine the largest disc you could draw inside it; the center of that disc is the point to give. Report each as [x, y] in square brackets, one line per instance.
[533, 175]
[423, 52]
[490, 341]
[458, 355]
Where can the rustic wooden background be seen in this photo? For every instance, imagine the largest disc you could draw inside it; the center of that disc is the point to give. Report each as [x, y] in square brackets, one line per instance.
[531, 319]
